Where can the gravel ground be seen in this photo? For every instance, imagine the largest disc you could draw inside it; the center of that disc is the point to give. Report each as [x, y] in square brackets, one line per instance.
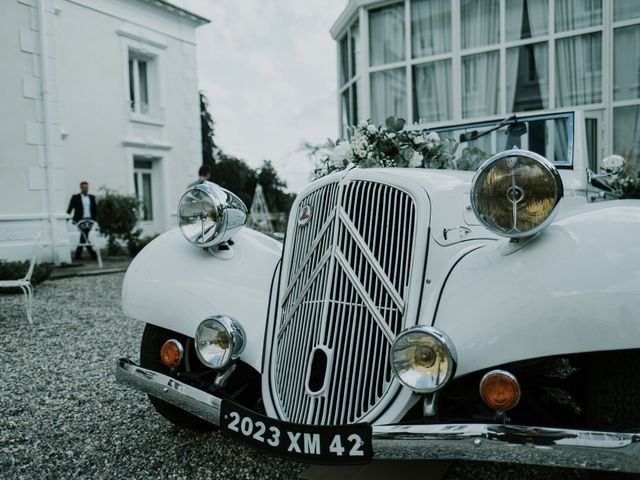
[62, 415]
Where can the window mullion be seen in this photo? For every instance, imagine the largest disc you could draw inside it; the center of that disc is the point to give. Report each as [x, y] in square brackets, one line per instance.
[608, 66]
[366, 69]
[456, 61]
[502, 87]
[552, 54]
[408, 53]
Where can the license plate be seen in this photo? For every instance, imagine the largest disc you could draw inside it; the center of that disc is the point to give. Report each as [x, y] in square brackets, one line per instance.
[333, 445]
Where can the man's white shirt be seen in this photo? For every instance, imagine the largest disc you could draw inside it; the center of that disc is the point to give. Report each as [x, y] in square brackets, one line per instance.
[86, 206]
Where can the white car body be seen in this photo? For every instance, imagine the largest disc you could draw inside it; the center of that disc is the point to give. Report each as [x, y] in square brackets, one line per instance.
[574, 288]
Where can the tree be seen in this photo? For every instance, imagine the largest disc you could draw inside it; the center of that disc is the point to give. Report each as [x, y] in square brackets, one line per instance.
[207, 129]
[274, 188]
[235, 175]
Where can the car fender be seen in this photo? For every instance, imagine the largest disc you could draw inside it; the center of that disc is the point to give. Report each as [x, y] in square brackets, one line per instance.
[573, 288]
[175, 285]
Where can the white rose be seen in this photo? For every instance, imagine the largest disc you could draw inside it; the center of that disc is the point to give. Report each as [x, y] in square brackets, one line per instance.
[433, 136]
[372, 129]
[363, 125]
[416, 160]
[341, 155]
[418, 139]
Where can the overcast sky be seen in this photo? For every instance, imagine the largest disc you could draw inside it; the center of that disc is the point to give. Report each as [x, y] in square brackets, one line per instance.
[268, 68]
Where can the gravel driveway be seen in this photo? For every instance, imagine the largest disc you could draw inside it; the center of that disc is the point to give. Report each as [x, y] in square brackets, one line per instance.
[62, 415]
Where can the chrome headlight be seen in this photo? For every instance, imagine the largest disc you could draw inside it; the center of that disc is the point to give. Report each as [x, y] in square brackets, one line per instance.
[423, 359]
[516, 193]
[209, 214]
[219, 340]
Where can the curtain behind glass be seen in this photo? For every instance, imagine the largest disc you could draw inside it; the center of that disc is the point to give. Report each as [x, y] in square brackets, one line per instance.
[626, 133]
[344, 60]
[574, 14]
[354, 37]
[344, 111]
[625, 10]
[626, 73]
[528, 77]
[480, 76]
[386, 35]
[432, 92]
[480, 21]
[579, 70]
[430, 27]
[144, 92]
[147, 201]
[388, 95]
[560, 140]
[132, 94]
[526, 22]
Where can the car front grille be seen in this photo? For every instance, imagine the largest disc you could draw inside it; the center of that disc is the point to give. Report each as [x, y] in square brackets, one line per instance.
[345, 292]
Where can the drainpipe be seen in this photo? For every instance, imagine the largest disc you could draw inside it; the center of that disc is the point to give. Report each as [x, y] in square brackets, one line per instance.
[48, 131]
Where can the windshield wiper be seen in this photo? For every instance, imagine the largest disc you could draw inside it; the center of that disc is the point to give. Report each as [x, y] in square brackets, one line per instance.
[515, 129]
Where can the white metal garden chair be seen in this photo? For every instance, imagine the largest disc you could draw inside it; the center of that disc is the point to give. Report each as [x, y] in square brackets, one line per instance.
[85, 240]
[24, 283]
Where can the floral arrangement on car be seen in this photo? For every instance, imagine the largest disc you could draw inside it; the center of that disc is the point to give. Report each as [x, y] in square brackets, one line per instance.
[373, 146]
[628, 184]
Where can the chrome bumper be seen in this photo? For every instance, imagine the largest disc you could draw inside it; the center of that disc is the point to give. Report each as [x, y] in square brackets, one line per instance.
[484, 442]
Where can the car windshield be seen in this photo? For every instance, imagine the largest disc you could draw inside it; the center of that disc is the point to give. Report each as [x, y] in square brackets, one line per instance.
[549, 135]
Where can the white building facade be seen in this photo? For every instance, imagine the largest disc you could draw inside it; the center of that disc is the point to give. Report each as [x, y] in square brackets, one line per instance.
[97, 90]
[438, 62]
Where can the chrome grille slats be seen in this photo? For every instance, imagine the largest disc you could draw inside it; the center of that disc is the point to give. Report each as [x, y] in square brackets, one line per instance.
[345, 288]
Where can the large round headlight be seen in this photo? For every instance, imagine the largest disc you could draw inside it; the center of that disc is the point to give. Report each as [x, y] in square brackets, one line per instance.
[423, 358]
[209, 214]
[219, 340]
[516, 193]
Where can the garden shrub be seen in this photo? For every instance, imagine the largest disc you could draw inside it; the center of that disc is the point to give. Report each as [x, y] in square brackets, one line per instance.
[118, 216]
[139, 244]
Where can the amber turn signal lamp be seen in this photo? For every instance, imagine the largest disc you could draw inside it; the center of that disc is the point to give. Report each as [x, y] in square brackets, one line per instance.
[500, 390]
[171, 353]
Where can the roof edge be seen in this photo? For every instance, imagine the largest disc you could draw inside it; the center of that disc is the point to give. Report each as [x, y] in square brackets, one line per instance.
[179, 11]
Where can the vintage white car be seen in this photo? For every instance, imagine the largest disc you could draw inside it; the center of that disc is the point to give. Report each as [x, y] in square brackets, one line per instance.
[410, 313]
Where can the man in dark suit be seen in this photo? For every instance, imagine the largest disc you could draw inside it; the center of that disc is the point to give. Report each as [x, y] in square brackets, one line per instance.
[84, 207]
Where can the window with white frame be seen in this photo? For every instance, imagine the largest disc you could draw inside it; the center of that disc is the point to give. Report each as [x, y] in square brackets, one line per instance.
[141, 83]
[143, 185]
[438, 61]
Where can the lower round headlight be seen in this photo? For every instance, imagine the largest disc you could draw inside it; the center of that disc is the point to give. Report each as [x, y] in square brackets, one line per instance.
[516, 193]
[423, 358]
[219, 340]
[209, 214]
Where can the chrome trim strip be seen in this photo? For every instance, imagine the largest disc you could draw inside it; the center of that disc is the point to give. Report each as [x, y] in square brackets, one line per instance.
[364, 295]
[482, 442]
[170, 390]
[371, 258]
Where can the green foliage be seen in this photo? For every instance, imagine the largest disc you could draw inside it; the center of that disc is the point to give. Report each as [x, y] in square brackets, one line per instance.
[235, 175]
[273, 188]
[136, 246]
[17, 270]
[117, 217]
[471, 158]
[627, 187]
[207, 126]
